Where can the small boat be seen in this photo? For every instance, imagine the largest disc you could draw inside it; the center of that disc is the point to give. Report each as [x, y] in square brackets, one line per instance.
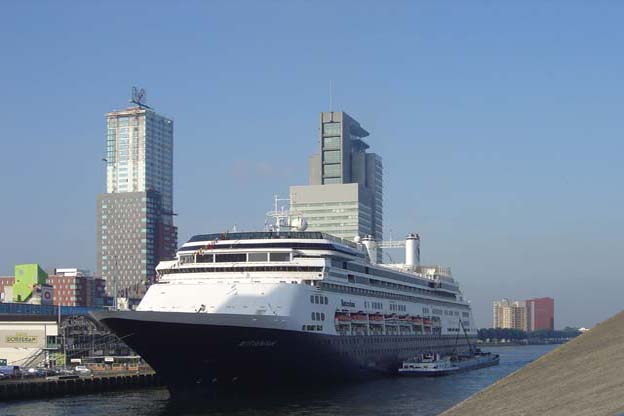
[428, 365]
[432, 364]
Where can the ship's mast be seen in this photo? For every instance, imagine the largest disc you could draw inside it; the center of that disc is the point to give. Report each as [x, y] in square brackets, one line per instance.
[282, 218]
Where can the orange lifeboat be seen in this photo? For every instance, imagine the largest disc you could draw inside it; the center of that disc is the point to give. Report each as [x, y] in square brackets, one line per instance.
[377, 317]
[343, 317]
[391, 317]
[359, 316]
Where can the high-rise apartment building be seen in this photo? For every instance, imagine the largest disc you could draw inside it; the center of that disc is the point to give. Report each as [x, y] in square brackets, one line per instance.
[540, 314]
[345, 194]
[529, 315]
[134, 217]
[510, 314]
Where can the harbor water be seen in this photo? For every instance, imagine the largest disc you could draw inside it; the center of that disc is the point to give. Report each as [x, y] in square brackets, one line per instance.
[390, 396]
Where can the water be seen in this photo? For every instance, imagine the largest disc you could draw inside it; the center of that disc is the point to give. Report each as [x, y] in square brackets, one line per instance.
[392, 396]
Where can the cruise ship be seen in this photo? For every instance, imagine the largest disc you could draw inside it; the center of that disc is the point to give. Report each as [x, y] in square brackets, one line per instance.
[291, 306]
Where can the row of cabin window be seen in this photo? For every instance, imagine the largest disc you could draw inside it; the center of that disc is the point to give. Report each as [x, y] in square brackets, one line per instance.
[243, 269]
[345, 265]
[234, 257]
[322, 300]
[367, 292]
[395, 307]
[382, 339]
[373, 305]
[318, 316]
[382, 283]
[312, 327]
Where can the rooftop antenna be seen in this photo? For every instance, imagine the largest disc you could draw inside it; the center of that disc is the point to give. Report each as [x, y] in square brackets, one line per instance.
[139, 97]
[331, 95]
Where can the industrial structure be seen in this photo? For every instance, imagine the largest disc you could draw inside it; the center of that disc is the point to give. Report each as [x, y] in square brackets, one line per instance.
[135, 227]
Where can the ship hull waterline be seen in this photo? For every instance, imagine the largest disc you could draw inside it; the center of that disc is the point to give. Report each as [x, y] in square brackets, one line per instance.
[197, 352]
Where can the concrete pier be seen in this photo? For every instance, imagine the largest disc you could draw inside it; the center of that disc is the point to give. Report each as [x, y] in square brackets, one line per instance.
[35, 388]
[582, 377]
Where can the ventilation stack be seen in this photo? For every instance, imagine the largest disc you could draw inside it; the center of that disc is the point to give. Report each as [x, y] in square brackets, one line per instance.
[412, 250]
[371, 247]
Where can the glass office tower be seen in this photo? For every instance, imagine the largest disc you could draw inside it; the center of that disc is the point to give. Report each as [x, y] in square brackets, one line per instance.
[345, 195]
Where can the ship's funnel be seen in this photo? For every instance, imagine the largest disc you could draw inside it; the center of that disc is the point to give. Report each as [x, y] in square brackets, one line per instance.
[412, 250]
[371, 247]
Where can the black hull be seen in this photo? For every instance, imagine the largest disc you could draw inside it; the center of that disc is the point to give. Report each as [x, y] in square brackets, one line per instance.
[216, 351]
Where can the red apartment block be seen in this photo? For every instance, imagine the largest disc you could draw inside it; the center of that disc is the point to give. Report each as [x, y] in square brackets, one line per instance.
[540, 314]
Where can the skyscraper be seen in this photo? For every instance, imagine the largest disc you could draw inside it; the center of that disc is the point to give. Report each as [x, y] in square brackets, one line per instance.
[134, 217]
[345, 194]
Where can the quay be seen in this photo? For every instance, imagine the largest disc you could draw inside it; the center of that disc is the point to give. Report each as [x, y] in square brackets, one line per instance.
[581, 377]
[41, 387]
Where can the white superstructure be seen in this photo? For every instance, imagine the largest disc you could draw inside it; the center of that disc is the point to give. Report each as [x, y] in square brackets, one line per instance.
[312, 282]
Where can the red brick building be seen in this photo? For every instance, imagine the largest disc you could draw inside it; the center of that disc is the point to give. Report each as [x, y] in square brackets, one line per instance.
[540, 314]
[71, 287]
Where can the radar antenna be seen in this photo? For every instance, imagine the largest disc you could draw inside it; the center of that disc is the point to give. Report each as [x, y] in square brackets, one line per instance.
[139, 97]
[282, 218]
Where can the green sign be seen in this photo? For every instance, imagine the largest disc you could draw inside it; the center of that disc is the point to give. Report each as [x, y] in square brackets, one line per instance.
[3, 361]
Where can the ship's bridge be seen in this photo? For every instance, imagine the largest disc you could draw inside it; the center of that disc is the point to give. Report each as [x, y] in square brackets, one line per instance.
[270, 235]
[271, 240]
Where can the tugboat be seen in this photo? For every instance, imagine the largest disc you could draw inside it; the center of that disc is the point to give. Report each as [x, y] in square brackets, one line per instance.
[433, 364]
[428, 365]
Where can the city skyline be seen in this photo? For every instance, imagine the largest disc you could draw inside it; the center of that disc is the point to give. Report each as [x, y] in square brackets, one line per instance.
[501, 146]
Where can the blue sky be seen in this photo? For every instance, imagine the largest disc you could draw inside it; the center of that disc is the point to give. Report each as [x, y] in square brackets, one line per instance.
[499, 124]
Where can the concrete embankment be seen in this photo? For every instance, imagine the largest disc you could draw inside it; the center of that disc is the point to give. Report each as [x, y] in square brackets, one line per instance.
[583, 377]
[35, 388]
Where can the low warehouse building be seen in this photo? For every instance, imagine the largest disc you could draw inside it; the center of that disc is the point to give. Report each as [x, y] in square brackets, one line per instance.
[27, 341]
